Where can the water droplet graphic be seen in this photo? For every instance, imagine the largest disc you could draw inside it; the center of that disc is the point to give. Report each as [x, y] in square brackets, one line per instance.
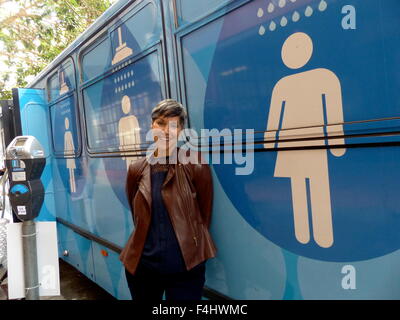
[322, 5]
[296, 16]
[309, 11]
[261, 31]
[260, 12]
[272, 26]
[282, 3]
[284, 22]
[271, 7]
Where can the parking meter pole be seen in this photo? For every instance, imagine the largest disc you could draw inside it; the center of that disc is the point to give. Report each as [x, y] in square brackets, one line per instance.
[25, 161]
[30, 260]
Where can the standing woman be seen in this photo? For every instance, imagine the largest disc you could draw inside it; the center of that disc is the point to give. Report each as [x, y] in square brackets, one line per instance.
[171, 206]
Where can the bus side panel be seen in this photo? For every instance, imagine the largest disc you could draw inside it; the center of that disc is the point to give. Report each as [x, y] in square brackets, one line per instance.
[75, 250]
[308, 214]
[109, 273]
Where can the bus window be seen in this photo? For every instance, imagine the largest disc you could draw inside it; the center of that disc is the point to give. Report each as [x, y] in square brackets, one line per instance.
[66, 78]
[118, 104]
[97, 60]
[64, 127]
[53, 87]
[64, 122]
[61, 82]
[143, 27]
[189, 11]
[122, 103]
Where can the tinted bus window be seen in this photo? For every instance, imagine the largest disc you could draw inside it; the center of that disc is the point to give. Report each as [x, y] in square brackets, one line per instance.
[61, 86]
[61, 82]
[122, 100]
[64, 127]
[118, 107]
[190, 10]
[143, 26]
[53, 87]
[97, 60]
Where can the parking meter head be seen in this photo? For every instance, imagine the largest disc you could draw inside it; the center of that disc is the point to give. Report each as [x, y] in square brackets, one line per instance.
[25, 161]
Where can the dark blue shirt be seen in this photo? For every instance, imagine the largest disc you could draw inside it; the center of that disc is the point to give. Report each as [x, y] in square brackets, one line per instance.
[161, 251]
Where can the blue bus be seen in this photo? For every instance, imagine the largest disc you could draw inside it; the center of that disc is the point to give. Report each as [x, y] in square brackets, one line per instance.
[317, 215]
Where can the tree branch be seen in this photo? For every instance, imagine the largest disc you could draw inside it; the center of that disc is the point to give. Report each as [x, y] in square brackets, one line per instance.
[22, 13]
[14, 57]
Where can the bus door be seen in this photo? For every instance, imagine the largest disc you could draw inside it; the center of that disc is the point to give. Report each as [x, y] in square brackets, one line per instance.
[30, 108]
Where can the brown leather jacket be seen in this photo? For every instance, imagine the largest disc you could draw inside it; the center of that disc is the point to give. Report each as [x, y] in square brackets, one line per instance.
[188, 194]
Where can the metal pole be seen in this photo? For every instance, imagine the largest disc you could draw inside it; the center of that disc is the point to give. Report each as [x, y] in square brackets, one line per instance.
[30, 260]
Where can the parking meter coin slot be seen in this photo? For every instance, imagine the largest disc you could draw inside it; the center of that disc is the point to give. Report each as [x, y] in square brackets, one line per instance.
[19, 189]
[20, 194]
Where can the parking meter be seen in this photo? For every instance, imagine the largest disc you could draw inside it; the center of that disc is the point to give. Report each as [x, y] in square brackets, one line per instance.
[25, 161]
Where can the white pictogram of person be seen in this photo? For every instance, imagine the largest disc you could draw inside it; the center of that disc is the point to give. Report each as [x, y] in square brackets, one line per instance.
[69, 150]
[300, 99]
[128, 132]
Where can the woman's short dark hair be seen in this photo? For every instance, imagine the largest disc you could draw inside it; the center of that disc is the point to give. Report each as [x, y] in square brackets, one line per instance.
[169, 108]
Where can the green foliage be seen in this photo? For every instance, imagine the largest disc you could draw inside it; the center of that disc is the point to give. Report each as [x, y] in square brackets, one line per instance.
[38, 32]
